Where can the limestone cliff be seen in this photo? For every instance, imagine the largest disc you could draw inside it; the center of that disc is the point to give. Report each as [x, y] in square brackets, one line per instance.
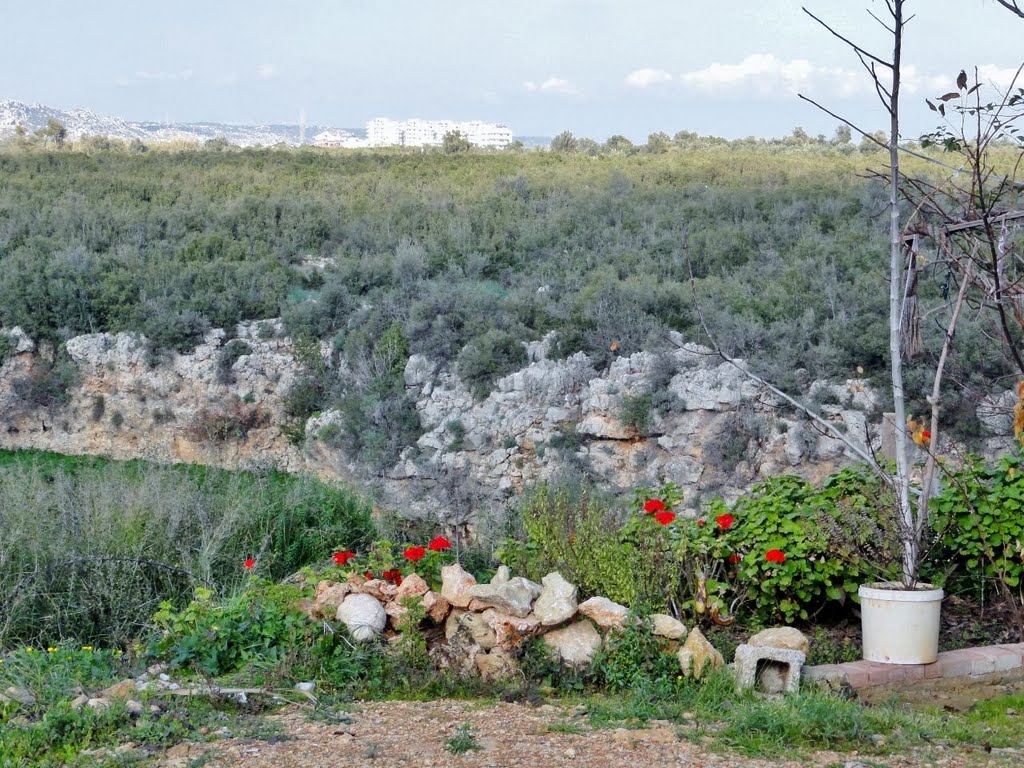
[682, 416]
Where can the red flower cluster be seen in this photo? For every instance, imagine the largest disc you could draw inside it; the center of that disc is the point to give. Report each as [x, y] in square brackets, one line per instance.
[249, 563]
[654, 505]
[734, 558]
[725, 521]
[664, 518]
[340, 558]
[414, 553]
[394, 576]
[439, 543]
[775, 556]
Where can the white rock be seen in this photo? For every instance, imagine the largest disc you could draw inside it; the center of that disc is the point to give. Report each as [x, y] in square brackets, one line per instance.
[576, 644]
[788, 638]
[667, 626]
[363, 616]
[455, 585]
[604, 612]
[557, 600]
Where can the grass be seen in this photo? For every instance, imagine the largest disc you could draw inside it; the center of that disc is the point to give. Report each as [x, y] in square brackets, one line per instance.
[51, 733]
[714, 715]
[90, 547]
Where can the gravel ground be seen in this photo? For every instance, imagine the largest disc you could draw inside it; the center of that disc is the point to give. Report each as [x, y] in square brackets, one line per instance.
[415, 734]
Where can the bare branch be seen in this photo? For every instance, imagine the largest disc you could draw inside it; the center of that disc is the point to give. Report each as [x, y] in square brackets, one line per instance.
[1012, 6]
[882, 144]
[849, 42]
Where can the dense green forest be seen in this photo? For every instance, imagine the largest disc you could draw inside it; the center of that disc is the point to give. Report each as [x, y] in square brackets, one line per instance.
[462, 256]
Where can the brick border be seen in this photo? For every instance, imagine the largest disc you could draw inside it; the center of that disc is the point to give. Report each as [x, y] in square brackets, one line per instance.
[965, 663]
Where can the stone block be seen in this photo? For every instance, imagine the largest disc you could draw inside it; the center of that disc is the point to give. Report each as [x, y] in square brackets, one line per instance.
[768, 670]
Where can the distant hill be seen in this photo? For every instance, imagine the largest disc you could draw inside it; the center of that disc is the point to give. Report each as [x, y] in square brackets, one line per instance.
[85, 122]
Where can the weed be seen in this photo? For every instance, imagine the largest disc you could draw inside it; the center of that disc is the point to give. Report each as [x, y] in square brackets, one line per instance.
[462, 742]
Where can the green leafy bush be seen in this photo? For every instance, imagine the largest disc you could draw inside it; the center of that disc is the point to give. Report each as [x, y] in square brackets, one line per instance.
[783, 551]
[797, 547]
[7, 347]
[981, 524]
[259, 625]
[636, 412]
[636, 659]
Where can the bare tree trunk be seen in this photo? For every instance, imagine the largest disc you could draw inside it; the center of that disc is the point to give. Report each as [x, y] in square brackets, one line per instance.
[908, 533]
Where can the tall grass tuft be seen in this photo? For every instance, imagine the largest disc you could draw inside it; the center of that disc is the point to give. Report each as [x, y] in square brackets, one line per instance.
[90, 547]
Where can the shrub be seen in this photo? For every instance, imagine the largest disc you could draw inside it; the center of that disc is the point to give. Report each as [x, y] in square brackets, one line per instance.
[635, 658]
[635, 412]
[570, 528]
[48, 384]
[981, 526]
[230, 422]
[7, 347]
[796, 547]
[259, 625]
[228, 356]
[489, 357]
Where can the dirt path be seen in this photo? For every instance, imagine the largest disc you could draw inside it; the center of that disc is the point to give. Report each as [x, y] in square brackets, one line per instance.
[510, 735]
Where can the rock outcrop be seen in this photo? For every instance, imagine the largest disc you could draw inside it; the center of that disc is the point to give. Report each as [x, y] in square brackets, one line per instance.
[711, 430]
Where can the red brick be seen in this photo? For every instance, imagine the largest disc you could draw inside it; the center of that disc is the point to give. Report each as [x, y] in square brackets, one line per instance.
[954, 664]
[897, 673]
[880, 674]
[914, 671]
[858, 678]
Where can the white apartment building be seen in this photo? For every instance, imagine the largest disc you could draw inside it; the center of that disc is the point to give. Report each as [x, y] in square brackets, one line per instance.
[383, 132]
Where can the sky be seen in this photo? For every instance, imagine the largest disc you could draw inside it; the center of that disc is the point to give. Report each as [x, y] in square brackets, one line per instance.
[594, 67]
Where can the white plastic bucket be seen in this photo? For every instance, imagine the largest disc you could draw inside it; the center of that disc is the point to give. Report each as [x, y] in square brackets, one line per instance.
[900, 626]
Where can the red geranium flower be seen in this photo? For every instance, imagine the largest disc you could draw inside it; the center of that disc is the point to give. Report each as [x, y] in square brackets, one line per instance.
[414, 553]
[249, 563]
[438, 543]
[701, 521]
[397, 581]
[368, 575]
[725, 521]
[393, 576]
[343, 557]
[654, 505]
[734, 558]
[775, 556]
[664, 518]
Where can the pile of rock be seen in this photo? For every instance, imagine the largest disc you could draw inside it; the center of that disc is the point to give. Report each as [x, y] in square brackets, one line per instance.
[484, 625]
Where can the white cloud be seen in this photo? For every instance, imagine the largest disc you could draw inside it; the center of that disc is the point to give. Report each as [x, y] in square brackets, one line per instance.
[763, 74]
[551, 85]
[1000, 77]
[266, 72]
[144, 76]
[646, 77]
